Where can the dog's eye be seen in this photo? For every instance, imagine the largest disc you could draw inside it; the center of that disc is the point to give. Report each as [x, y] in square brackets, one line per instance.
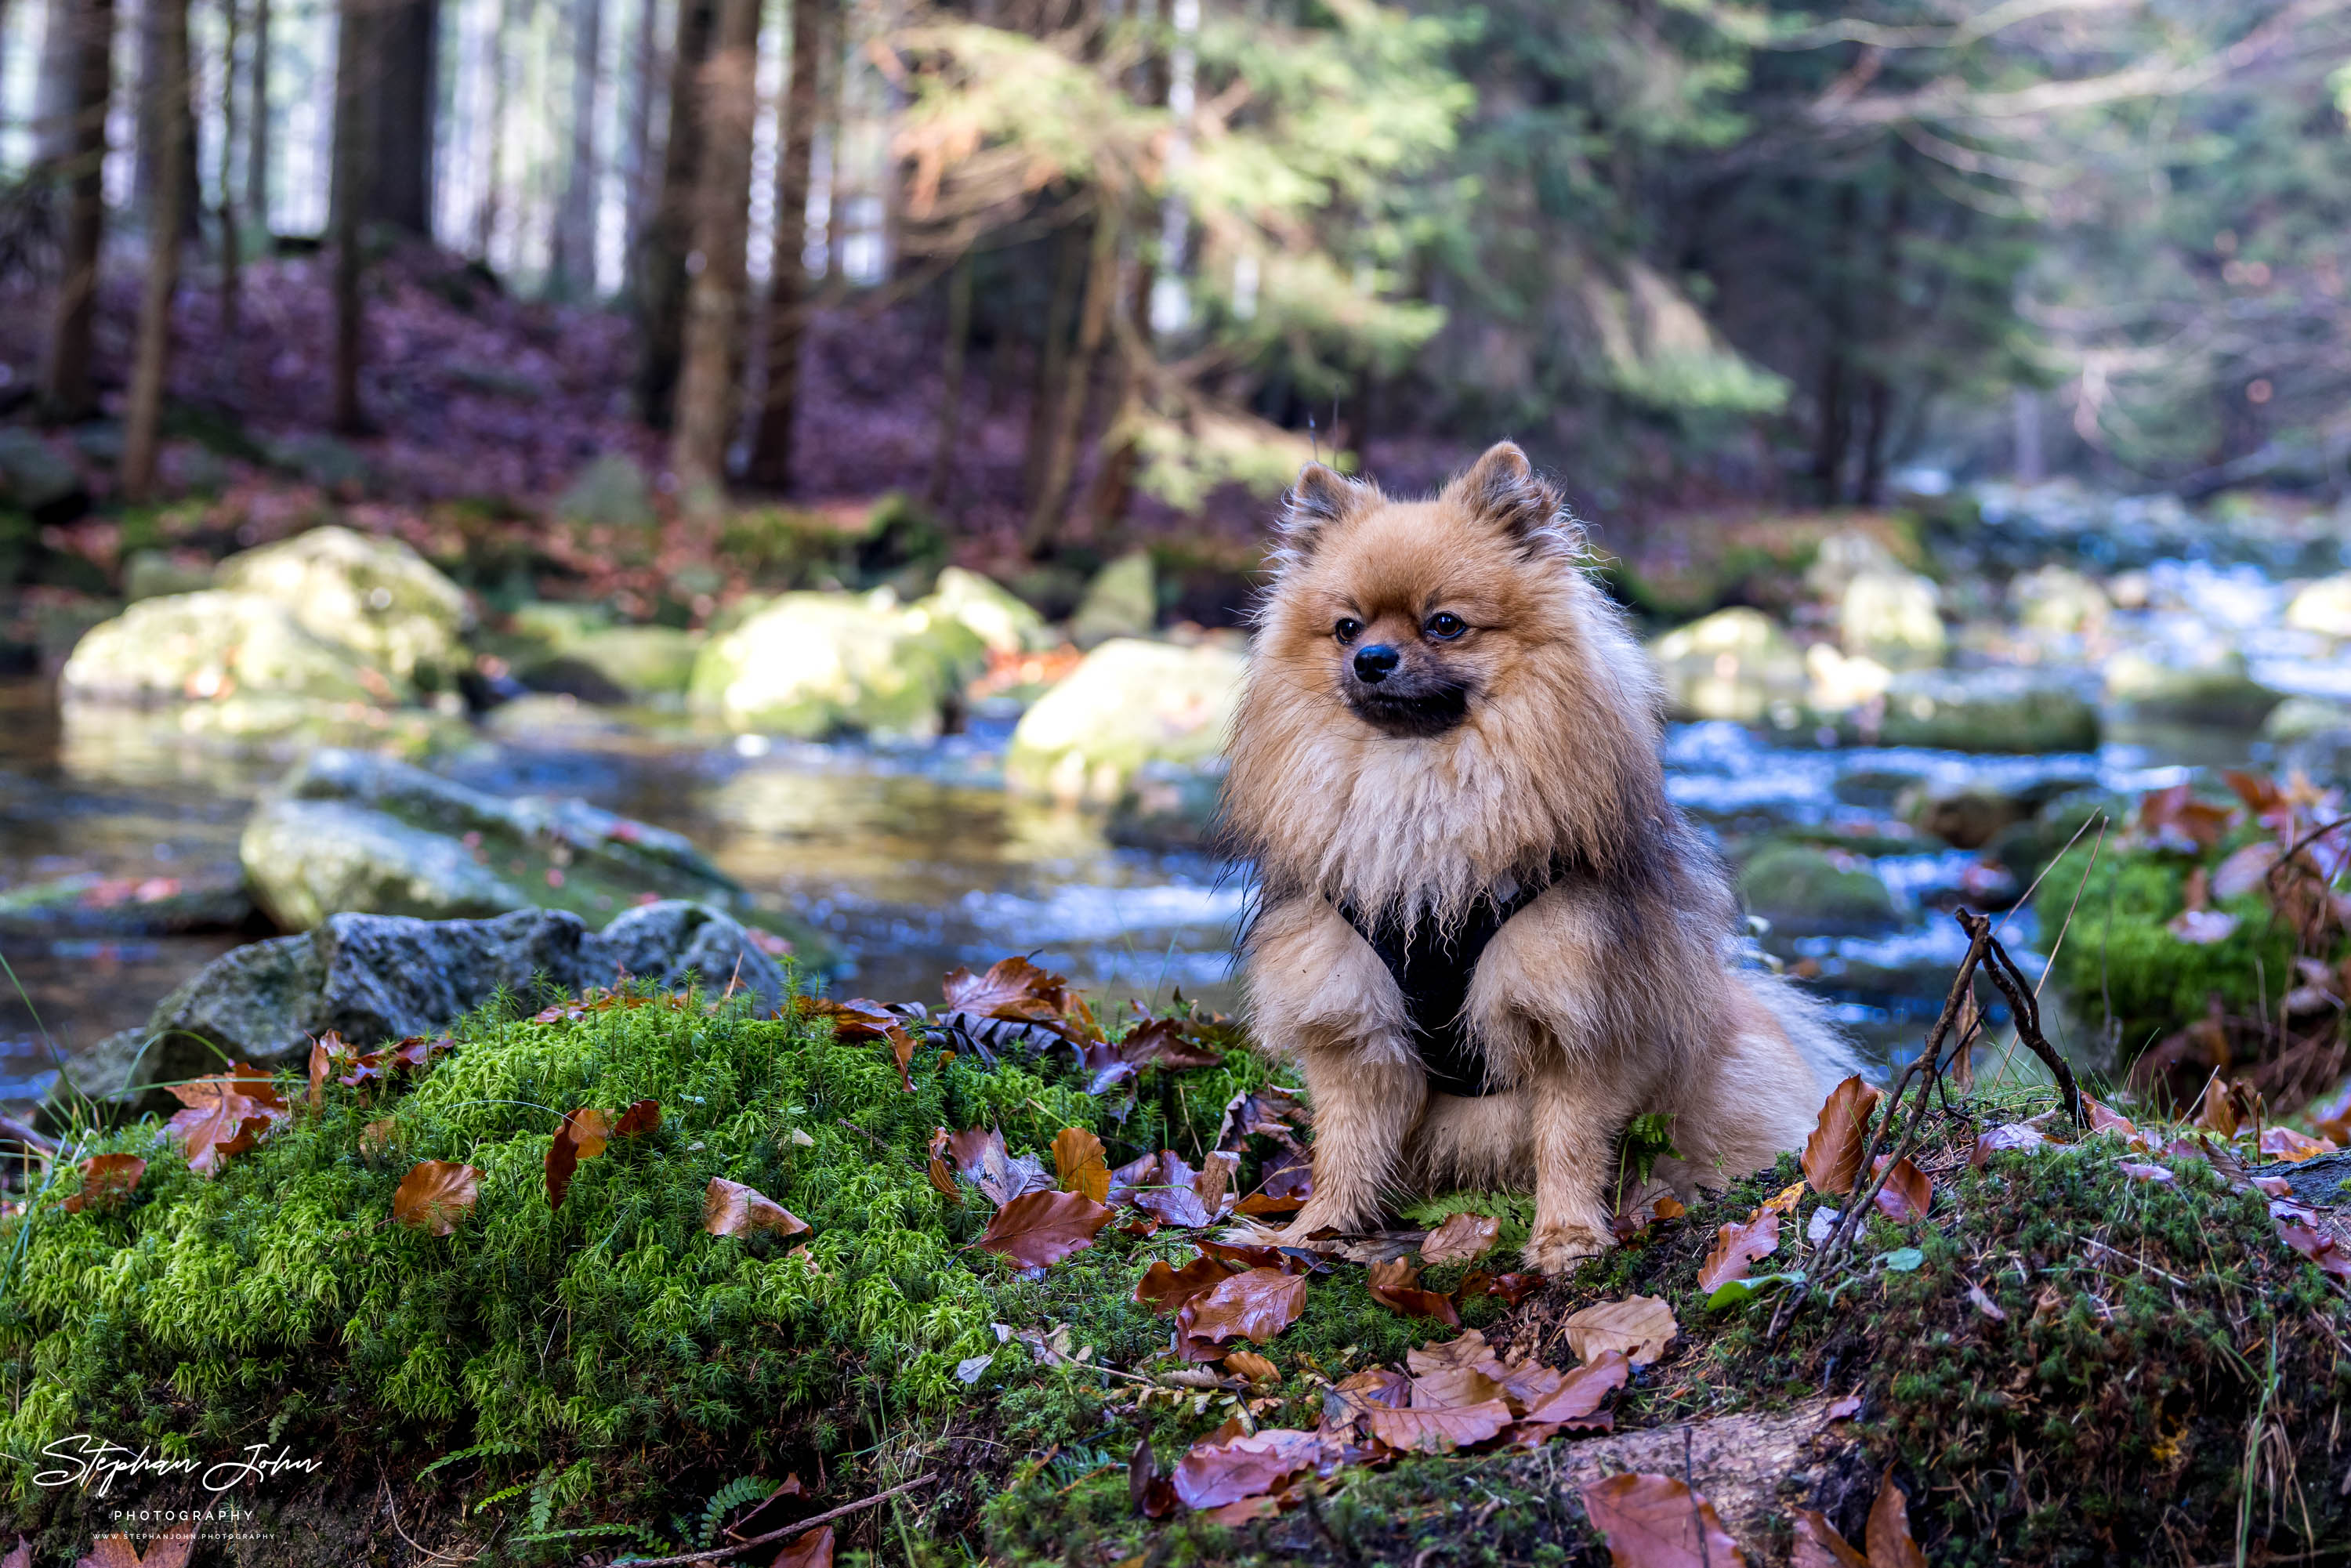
[1446, 626]
[1346, 630]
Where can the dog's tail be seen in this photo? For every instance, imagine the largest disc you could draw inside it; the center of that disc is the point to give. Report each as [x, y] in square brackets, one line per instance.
[1806, 1021]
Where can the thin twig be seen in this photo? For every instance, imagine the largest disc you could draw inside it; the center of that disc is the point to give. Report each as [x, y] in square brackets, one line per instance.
[799, 1527]
[12, 1128]
[2025, 1004]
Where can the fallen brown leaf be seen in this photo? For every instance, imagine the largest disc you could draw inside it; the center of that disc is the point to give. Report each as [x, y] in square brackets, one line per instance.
[1907, 1193]
[435, 1194]
[731, 1209]
[1166, 1289]
[329, 1052]
[1888, 1535]
[1037, 1230]
[1656, 1521]
[1440, 1431]
[1462, 1238]
[1079, 1164]
[1253, 1366]
[638, 1120]
[1571, 1396]
[2105, 1119]
[1221, 1469]
[226, 1113]
[1397, 1284]
[2285, 1143]
[1818, 1544]
[812, 1549]
[1639, 1327]
[1257, 1304]
[2320, 1246]
[169, 1549]
[1736, 1247]
[106, 1179]
[1833, 1154]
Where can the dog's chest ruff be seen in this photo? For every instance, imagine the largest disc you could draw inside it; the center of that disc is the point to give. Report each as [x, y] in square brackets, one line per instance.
[1432, 969]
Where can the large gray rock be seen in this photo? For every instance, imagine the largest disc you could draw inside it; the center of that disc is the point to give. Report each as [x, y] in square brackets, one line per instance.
[218, 648]
[212, 898]
[814, 665]
[1987, 710]
[373, 979]
[618, 664]
[348, 830]
[1129, 705]
[375, 596]
[1123, 600]
[1732, 665]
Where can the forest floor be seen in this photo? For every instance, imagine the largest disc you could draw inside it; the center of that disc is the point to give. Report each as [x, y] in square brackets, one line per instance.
[637, 1276]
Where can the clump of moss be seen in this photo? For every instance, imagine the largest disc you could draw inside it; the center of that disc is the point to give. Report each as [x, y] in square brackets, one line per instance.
[608, 1362]
[2119, 967]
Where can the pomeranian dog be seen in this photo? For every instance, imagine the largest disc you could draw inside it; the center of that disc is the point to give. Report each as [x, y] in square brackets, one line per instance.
[1481, 929]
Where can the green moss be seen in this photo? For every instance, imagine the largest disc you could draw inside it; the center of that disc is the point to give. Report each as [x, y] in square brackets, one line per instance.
[2118, 960]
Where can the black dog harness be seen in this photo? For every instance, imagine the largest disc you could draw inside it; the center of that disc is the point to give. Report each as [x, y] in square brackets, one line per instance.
[1432, 969]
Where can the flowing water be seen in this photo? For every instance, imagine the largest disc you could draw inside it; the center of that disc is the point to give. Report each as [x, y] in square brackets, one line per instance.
[914, 860]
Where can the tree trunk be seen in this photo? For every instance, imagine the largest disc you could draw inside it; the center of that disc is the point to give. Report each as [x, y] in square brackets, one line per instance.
[257, 150]
[55, 86]
[661, 276]
[85, 34]
[395, 75]
[574, 262]
[642, 188]
[231, 246]
[714, 312]
[1122, 454]
[1069, 409]
[485, 217]
[355, 151]
[167, 84]
[162, 147]
[1052, 355]
[1833, 435]
[788, 289]
[951, 377]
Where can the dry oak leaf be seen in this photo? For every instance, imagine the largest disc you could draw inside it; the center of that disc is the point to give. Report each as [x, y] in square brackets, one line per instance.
[862, 1018]
[169, 1549]
[1460, 1239]
[105, 1179]
[1888, 1533]
[1166, 1290]
[1249, 1365]
[435, 1194]
[1818, 1544]
[328, 1052]
[226, 1113]
[1908, 1195]
[1018, 991]
[1833, 1154]
[2318, 1246]
[1736, 1247]
[1552, 1397]
[1037, 1230]
[1656, 1521]
[1396, 1284]
[2105, 1119]
[1079, 1164]
[582, 1136]
[730, 1208]
[812, 1549]
[638, 1120]
[1258, 1304]
[2287, 1144]
[1514, 1288]
[1221, 1469]
[1357, 1396]
[1440, 1431]
[1639, 1327]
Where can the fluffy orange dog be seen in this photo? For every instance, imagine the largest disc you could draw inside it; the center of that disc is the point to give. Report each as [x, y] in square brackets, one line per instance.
[1483, 931]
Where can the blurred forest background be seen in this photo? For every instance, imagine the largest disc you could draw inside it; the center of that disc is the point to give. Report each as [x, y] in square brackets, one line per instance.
[1065, 270]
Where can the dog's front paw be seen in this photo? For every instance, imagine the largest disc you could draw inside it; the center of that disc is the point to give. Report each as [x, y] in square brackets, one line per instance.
[1558, 1247]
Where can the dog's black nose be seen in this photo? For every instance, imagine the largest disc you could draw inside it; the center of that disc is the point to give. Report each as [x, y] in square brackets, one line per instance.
[1375, 663]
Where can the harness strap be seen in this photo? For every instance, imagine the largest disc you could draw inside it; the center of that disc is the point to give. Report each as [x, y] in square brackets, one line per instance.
[1433, 970]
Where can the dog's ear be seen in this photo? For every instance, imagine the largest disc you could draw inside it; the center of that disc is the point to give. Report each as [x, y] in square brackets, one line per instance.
[1502, 487]
[1322, 496]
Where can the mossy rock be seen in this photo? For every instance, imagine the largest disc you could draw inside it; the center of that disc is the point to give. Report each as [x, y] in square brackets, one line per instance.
[2323, 607]
[618, 664]
[1123, 600]
[1128, 705]
[1806, 891]
[156, 573]
[812, 666]
[376, 596]
[350, 832]
[1732, 665]
[221, 647]
[1892, 617]
[1001, 620]
[609, 492]
[1987, 710]
[212, 898]
[2219, 693]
